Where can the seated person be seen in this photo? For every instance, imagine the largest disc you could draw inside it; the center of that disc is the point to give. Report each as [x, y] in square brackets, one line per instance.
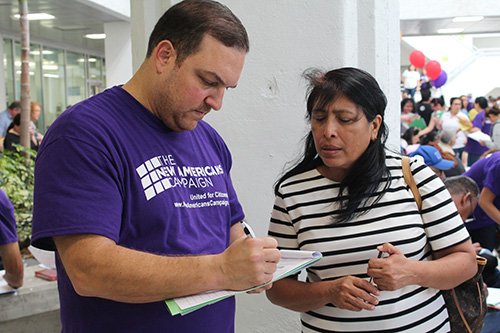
[433, 139]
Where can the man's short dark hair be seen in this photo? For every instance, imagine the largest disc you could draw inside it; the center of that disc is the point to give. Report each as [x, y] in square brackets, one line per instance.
[426, 95]
[186, 23]
[15, 105]
[461, 184]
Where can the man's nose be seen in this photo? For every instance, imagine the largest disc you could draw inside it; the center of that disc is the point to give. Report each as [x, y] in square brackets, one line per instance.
[214, 100]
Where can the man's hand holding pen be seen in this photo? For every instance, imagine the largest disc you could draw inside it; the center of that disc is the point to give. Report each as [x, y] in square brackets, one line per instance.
[249, 262]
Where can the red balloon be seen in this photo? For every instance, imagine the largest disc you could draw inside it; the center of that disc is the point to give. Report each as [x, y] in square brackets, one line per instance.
[433, 69]
[417, 59]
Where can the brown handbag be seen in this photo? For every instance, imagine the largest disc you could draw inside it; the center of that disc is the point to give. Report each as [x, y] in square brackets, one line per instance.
[466, 303]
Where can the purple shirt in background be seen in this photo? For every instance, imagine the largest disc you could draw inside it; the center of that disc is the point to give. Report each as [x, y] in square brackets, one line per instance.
[108, 166]
[8, 232]
[486, 173]
[472, 146]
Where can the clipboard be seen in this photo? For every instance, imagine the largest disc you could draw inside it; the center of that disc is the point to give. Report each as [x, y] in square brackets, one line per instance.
[292, 261]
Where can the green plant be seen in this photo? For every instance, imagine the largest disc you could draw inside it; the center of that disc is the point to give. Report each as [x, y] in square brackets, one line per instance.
[17, 180]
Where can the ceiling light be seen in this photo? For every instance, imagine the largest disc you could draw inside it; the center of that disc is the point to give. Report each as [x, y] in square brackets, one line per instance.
[96, 36]
[450, 31]
[37, 16]
[468, 19]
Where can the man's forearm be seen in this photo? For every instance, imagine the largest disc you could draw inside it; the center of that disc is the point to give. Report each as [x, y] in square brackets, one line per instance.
[13, 264]
[97, 267]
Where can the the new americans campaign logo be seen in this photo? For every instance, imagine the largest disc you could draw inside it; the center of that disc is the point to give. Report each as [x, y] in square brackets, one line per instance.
[162, 173]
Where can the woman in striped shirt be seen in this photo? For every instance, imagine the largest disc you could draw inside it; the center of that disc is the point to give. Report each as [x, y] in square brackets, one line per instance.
[347, 199]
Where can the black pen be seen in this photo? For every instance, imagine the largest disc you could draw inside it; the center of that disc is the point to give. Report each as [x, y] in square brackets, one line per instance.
[380, 253]
[248, 231]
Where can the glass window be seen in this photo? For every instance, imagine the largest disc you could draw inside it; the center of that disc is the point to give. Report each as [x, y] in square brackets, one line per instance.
[53, 84]
[75, 71]
[94, 68]
[8, 64]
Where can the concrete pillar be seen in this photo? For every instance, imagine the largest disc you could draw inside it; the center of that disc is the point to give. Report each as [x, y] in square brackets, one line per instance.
[143, 17]
[118, 53]
[3, 91]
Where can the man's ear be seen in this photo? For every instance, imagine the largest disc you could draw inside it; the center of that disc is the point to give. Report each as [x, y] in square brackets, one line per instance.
[164, 55]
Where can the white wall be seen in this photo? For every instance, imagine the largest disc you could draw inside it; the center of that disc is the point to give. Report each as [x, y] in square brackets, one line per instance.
[118, 53]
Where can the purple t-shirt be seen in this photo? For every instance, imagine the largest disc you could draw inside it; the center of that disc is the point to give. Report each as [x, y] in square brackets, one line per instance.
[486, 173]
[8, 233]
[472, 146]
[108, 166]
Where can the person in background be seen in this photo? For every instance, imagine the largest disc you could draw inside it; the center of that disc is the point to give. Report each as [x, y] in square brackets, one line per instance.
[424, 108]
[446, 141]
[434, 160]
[9, 248]
[465, 195]
[14, 136]
[411, 81]
[133, 189]
[410, 140]
[493, 114]
[481, 123]
[465, 102]
[408, 114]
[36, 110]
[455, 120]
[486, 173]
[8, 115]
[347, 198]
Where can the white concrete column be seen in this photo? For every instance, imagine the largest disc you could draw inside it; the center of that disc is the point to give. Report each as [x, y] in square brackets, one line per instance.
[143, 16]
[118, 53]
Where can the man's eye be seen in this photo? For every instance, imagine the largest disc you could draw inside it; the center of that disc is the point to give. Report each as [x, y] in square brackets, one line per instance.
[209, 83]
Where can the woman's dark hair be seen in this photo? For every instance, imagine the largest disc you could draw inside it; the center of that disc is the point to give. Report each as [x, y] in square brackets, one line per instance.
[406, 101]
[366, 174]
[409, 134]
[429, 137]
[493, 110]
[482, 101]
[15, 121]
[186, 23]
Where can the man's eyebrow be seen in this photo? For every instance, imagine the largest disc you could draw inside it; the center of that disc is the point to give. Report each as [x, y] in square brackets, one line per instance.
[217, 78]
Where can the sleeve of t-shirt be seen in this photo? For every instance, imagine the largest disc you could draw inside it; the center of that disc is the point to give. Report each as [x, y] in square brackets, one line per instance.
[281, 227]
[8, 232]
[443, 225]
[478, 120]
[76, 191]
[492, 179]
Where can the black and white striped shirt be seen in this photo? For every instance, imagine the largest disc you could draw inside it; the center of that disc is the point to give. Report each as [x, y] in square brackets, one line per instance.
[302, 219]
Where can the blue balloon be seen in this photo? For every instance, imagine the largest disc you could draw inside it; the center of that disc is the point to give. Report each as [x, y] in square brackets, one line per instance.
[441, 80]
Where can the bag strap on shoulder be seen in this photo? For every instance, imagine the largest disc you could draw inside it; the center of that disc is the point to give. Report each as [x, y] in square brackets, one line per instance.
[410, 181]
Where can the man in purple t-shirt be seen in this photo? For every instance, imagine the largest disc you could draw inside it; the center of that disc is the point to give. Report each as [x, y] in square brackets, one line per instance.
[486, 174]
[132, 188]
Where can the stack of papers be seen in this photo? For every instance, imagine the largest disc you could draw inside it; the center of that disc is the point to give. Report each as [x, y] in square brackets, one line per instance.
[493, 299]
[291, 262]
[4, 287]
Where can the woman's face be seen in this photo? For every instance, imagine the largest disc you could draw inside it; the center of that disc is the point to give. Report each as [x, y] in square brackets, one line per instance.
[456, 106]
[341, 134]
[36, 113]
[408, 107]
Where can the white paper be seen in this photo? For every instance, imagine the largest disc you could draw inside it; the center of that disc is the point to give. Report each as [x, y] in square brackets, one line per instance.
[45, 258]
[4, 286]
[290, 260]
[479, 136]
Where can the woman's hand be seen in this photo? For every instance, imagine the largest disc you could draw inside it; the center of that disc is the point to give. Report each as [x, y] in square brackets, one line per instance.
[352, 293]
[393, 272]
